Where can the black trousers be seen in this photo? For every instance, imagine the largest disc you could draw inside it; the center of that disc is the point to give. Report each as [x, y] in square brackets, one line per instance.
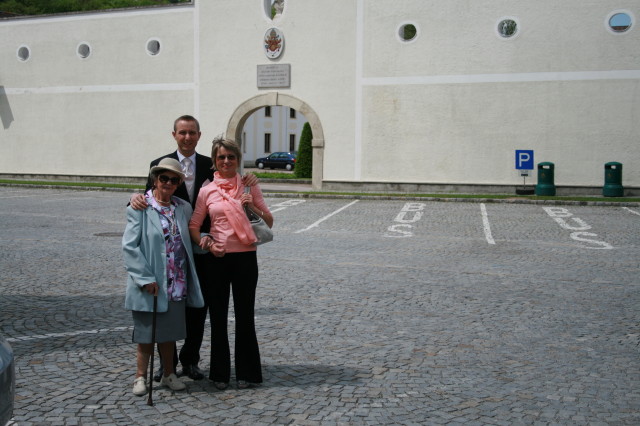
[195, 317]
[236, 273]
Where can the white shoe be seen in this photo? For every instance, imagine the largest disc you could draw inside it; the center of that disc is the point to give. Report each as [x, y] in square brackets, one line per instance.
[139, 386]
[172, 382]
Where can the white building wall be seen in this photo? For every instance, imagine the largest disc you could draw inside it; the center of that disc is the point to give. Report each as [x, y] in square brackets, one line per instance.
[455, 104]
[451, 106]
[108, 114]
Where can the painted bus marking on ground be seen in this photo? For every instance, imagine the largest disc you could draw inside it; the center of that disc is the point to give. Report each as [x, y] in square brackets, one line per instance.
[318, 222]
[562, 217]
[402, 229]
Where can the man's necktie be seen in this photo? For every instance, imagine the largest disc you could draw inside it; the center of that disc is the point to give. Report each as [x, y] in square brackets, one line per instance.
[187, 168]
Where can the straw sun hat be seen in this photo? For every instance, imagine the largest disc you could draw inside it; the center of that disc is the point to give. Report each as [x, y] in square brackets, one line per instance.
[169, 164]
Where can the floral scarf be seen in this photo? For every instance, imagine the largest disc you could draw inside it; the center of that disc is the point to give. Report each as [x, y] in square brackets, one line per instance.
[176, 254]
[230, 189]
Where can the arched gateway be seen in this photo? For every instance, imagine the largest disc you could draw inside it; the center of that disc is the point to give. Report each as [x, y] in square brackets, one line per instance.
[244, 111]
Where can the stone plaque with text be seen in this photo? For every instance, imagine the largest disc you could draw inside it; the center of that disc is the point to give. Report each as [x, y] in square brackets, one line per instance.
[274, 75]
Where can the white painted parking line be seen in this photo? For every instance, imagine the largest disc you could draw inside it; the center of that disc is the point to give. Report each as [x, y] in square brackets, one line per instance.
[67, 334]
[313, 225]
[17, 196]
[58, 200]
[81, 332]
[485, 225]
[283, 205]
[631, 211]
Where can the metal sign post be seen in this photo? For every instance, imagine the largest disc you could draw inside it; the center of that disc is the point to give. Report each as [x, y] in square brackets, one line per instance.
[524, 165]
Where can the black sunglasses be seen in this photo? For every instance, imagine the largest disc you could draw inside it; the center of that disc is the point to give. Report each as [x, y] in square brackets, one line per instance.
[230, 157]
[165, 179]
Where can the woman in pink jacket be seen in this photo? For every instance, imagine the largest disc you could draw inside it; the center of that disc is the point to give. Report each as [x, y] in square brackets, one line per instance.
[233, 262]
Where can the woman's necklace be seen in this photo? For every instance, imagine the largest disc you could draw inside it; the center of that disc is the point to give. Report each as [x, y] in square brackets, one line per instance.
[166, 203]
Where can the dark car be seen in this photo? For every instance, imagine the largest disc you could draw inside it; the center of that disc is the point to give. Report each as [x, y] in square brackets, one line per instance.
[277, 160]
[7, 381]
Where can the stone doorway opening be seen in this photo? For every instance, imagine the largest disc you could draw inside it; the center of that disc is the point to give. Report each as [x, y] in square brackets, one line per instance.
[239, 117]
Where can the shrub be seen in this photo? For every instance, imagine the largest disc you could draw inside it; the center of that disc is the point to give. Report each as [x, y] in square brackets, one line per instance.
[304, 161]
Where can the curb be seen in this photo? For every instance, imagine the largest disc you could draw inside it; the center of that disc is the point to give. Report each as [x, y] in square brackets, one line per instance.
[293, 194]
[452, 199]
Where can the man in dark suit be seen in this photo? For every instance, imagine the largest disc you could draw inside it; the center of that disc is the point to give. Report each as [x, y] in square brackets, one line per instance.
[198, 171]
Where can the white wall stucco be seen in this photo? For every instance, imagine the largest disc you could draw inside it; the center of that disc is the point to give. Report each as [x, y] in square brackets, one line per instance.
[450, 107]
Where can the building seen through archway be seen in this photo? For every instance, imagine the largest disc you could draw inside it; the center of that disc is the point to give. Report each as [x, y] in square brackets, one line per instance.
[269, 129]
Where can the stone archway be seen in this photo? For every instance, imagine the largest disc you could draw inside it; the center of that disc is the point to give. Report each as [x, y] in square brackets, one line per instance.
[244, 111]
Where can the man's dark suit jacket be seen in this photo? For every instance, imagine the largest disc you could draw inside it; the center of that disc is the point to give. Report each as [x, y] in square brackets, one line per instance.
[203, 172]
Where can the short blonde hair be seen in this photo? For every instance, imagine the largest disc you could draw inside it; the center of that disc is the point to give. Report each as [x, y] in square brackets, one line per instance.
[229, 145]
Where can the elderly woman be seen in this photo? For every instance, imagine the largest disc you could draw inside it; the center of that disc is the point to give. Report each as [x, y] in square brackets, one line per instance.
[159, 259]
[233, 258]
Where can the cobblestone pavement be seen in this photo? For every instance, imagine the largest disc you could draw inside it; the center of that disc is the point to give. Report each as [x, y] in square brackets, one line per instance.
[368, 312]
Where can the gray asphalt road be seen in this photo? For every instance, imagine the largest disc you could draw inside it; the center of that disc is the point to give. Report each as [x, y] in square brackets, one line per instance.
[368, 312]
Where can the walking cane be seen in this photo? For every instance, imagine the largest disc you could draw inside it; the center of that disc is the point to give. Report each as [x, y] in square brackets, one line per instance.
[153, 349]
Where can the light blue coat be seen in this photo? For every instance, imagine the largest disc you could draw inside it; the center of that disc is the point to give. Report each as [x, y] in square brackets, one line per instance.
[145, 258]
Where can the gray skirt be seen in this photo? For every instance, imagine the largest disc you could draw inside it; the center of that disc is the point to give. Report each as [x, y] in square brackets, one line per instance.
[170, 325]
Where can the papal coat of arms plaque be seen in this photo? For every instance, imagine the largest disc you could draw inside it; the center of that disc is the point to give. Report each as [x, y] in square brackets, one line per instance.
[273, 43]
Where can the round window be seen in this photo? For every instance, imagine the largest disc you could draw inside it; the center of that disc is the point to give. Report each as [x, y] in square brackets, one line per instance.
[153, 47]
[407, 32]
[24, 53]
[84, 50]
[620, 22]
[507, 28]
[273, 8]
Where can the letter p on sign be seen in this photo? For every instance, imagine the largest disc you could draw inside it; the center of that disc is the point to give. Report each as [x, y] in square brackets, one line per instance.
[524, 159]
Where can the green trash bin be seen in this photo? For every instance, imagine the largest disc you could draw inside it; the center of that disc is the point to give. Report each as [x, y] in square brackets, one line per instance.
[545, 184]
[613, 180]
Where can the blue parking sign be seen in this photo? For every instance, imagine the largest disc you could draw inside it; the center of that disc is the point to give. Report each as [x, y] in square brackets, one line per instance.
[524, 159]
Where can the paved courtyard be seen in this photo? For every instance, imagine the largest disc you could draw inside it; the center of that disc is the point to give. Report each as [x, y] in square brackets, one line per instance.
[368, 312]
